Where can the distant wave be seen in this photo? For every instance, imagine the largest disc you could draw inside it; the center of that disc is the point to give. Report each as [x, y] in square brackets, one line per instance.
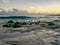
[17, 17]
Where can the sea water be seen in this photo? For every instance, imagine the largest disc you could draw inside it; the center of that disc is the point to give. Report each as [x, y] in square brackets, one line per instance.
[27, 17]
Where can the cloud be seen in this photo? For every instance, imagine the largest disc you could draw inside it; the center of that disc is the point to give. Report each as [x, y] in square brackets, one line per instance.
[5, 1]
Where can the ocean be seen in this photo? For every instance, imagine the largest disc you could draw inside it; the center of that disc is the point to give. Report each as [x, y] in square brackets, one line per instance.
[27, 17]
[27, 33]
[15, 17]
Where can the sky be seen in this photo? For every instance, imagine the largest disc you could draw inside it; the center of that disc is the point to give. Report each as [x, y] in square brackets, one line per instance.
[33, 6]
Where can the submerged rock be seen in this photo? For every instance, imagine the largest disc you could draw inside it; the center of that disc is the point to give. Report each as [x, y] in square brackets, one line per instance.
[3, 43]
